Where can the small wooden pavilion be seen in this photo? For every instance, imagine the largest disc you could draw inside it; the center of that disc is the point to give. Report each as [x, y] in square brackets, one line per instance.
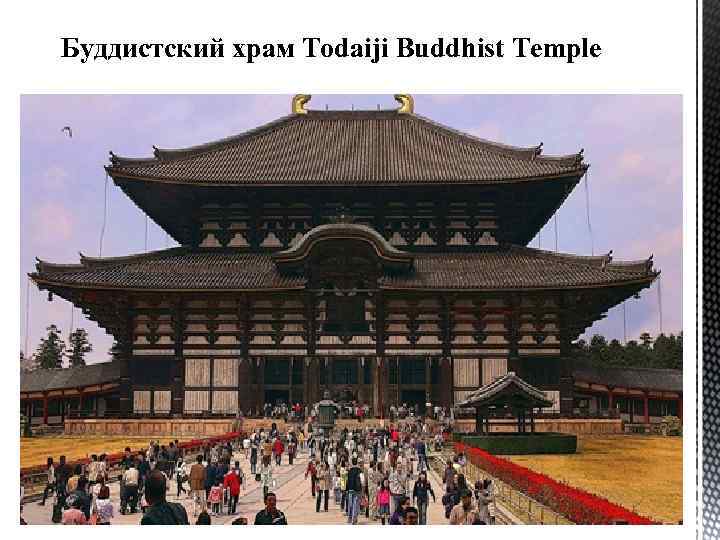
[508, 395]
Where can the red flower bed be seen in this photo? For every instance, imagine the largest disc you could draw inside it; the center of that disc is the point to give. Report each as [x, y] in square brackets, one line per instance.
[575, 504]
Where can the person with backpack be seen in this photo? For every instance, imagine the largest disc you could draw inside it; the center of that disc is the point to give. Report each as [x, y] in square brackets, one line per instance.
[161, 512]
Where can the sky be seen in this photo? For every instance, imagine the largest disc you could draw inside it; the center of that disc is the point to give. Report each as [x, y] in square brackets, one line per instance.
[633, 144]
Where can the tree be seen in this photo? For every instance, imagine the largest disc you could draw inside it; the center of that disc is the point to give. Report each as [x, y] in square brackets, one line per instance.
[79, 345]
[646, 340]
[50, 351]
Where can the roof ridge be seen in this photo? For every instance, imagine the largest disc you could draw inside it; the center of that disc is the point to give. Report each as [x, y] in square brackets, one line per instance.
[604, 262]
[162, 155]
[95, 262]
[525, 152]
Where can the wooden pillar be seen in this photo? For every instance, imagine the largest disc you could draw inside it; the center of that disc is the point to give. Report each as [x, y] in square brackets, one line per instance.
[290, 381]
[680, 407]
[646, 407]
[610, 399]
[97, 405]
[427, 383]
[45, 408]
[177, 394]
[80, 403]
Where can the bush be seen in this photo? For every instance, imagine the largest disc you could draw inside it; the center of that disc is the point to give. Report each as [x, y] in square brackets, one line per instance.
[671, 425]
[523, 443]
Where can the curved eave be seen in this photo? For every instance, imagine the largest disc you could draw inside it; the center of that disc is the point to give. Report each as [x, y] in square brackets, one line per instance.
[120, 175]
[44, 282]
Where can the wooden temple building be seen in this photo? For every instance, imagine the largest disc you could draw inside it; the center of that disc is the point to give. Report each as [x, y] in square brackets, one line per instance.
[375, 254]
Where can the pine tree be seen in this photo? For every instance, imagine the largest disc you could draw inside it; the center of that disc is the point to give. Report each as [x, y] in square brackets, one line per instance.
[79, 346]
[49, 353]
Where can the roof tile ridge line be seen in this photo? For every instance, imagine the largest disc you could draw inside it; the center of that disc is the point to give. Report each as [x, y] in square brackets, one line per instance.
[96, 262]
[528, 152]
[164, 155]
[42, 267]
[570, 258]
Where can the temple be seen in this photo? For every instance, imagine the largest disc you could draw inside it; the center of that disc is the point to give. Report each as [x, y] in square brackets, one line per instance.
[378, 255]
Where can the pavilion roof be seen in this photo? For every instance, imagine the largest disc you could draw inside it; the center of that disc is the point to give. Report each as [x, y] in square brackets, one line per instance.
[339, 148]
[508, 389]
[506, 267]
[73, 377]
[669, 380]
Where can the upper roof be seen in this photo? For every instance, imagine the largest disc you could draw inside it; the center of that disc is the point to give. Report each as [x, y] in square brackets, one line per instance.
[507, 389]
[385, 147]
[502, 268]
[74, 377]
[669, 380]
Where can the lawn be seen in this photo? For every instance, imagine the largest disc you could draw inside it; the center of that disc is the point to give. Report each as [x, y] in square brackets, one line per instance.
[641, 473]
[35, 451]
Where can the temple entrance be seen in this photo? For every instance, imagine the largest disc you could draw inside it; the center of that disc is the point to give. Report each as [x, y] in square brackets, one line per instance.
[275, 397]
[412, 398]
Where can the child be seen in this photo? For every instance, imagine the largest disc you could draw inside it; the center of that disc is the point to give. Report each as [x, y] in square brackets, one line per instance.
[383, 501]
[216, 497]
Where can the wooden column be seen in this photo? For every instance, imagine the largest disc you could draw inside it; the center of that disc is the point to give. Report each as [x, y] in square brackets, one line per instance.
[567, 384]
[177, 393]
[45, 408]
[80, 403]
[380, 360]
[680, 407]
[610, 399]
[646, 407]
[290, 381]
[427, 382]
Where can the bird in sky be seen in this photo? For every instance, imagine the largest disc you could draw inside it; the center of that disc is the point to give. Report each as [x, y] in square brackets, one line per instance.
[67, 129]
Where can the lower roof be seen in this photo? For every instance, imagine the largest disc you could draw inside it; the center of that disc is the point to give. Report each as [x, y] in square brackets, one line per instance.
[190, 269]
[75, 377]
[668, 380]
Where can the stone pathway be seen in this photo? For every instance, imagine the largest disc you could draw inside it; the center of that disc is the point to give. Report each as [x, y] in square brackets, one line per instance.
[294, 498]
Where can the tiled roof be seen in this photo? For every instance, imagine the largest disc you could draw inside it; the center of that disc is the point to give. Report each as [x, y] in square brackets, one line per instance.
[669, 380]
[509, 267]
[74, 377]
[348, 147]
[487, 394]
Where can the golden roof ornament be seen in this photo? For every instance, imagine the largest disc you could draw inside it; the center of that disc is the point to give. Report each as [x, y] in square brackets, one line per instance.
[407, 104]
[298, 103]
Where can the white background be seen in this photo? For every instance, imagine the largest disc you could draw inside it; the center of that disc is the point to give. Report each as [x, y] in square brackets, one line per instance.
[648, 47]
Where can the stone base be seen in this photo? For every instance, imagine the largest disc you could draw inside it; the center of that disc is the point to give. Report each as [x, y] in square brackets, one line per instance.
[171, 427]
[575, 426]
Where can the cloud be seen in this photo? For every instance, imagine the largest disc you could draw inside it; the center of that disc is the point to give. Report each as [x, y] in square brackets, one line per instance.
[51, 223]
[55, 178]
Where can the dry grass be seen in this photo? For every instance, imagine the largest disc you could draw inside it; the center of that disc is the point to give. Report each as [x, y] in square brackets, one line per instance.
[640, 473]
[35, 451]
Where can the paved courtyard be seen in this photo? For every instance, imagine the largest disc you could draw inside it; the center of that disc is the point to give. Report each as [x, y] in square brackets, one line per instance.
[294, 498]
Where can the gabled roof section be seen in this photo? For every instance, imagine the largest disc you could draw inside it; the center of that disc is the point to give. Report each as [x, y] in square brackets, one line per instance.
[390, 257]
[348, 148]
[507, 389]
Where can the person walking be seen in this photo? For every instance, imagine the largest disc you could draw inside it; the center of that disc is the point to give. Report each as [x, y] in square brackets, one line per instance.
[398, 486]
[312, 471]
[354, 490]
[253, 457]
[324, 484]
[266, 479]
[270, 515]
[421, 489]
[103, 508]
[232, 483]
[197, 484]
[278, 448]
[375, 477]
[465, 512]
[159, 511]
[131, 480]
[181, 476]
[291, 450]
[50, 483]
[267, 449]
[383, 501]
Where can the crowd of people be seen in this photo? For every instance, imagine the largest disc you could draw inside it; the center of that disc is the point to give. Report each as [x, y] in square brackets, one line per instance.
[381, 473]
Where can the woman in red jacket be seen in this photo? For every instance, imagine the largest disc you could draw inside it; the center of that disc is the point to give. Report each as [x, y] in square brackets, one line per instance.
[232, 483]
[278, 448]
